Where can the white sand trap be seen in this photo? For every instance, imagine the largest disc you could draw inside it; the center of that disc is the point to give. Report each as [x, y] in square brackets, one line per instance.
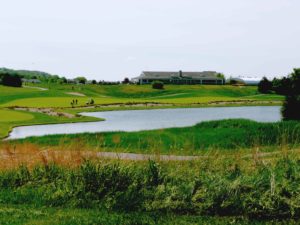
[75, 94]
[39, 88]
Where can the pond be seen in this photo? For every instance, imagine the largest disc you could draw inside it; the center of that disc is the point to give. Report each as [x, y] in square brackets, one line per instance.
[137, 120]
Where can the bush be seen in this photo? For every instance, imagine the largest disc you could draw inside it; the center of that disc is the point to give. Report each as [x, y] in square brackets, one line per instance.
[281, 86]
[291, 108]
[158, 85]
[264, 191]
[265, 86]
[12, 80]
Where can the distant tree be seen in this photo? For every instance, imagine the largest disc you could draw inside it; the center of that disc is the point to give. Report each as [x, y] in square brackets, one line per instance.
[281, 86]
[81, 80]
[295, 84]
[232, 82]
[10, 79]
[64, 80]
[126, 80]
[265, 86]
[221, 75]
[94, 82]
[54, 79]
[157, 85]
[291, 107]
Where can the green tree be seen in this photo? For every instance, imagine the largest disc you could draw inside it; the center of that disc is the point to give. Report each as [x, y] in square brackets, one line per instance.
[81, 80]
[10, 79]
[291, 107]
[126, 80]
[281, 86]
[158, 85]
[221, 75]
[265, 86]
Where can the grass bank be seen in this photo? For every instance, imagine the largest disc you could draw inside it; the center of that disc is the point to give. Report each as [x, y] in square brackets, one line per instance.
[224, 135]
[12, 118]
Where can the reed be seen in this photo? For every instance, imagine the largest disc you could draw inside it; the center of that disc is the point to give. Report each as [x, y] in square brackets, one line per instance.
[259, 187]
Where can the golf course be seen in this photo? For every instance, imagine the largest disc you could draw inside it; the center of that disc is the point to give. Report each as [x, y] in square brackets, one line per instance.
[114, 97]
[215, 172]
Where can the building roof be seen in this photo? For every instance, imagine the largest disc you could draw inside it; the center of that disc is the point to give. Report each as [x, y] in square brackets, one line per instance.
[175, 75]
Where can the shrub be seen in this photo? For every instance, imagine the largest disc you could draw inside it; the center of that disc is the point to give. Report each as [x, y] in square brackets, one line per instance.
[158, 85]
[12, 80]
[265, 86]
[291, 108]
[264, 191]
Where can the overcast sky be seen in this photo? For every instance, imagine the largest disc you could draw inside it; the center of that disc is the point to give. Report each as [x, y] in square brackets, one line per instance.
[112, 39]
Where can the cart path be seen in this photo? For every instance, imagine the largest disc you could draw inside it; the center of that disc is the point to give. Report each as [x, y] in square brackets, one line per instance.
[31, 155]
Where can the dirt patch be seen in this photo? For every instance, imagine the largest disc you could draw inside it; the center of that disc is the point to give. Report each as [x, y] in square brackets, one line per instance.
[239, 102]
[47, 111]
[118, 105]
[31, 155]
[12, 156]
[75, 94]
[200, 104]
[134, 105]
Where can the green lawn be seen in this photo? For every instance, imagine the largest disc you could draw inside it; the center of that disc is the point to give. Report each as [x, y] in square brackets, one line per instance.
[57, 95]
[60, 101]
[13, 116]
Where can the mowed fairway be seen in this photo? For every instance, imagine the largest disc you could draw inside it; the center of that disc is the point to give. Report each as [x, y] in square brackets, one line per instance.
[12, 116]
[9, 117]
[59, 95]
[61, 101]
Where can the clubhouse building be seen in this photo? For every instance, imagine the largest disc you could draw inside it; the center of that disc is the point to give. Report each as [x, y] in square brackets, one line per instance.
[205, 77]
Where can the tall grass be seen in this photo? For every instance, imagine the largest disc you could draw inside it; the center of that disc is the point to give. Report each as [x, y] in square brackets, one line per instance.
[225, 135]
[258, 188]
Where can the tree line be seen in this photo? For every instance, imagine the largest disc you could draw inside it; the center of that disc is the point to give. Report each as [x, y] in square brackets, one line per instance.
[288, 86]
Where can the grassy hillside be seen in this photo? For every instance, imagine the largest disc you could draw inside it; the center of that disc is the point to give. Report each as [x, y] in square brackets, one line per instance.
[61, 95]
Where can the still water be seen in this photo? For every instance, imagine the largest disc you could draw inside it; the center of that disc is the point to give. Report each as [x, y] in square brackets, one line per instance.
[136, 120]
